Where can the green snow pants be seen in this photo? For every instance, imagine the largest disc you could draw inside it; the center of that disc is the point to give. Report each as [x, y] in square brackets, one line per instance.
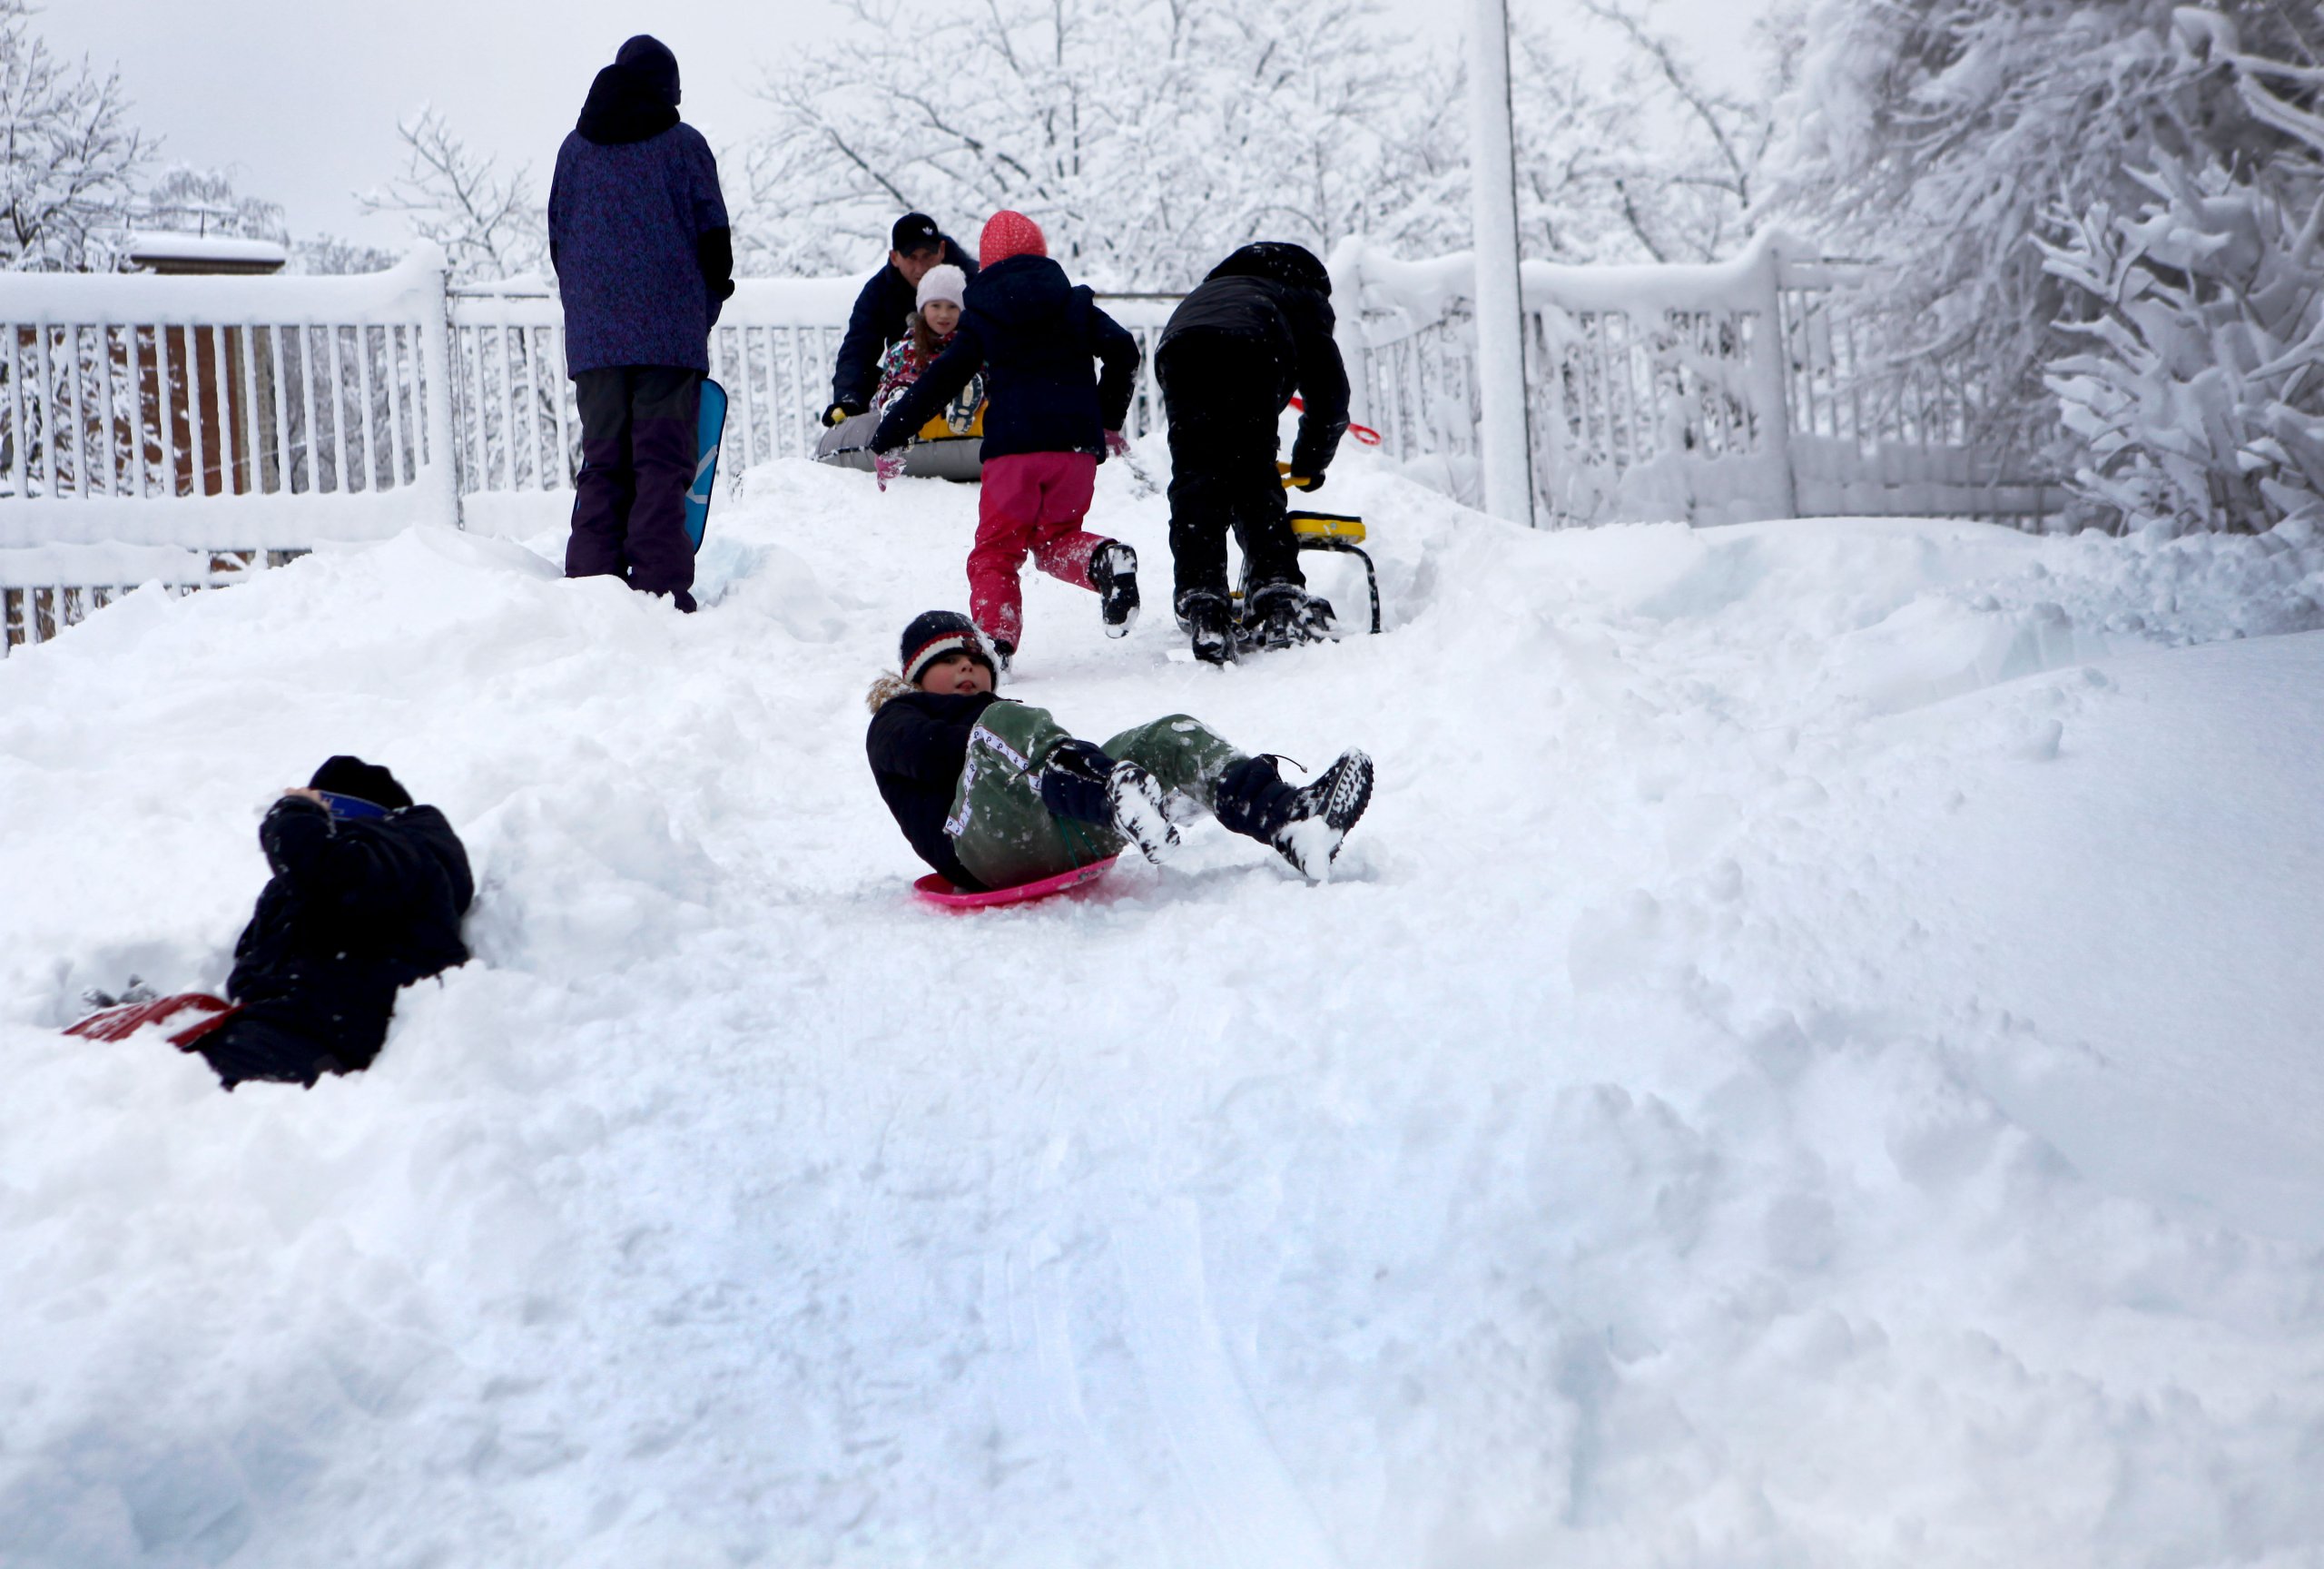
[1003, 832]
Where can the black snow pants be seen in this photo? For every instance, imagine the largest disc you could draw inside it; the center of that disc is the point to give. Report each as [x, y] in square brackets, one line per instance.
[244, 1049]
[1220, 393]
[629, 500]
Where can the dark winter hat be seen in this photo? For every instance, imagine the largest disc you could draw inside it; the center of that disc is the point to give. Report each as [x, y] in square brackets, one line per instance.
[345, 775]
[1010, 233]
[652, 60]
[936, 633]
[1280, 261]
[915, 231]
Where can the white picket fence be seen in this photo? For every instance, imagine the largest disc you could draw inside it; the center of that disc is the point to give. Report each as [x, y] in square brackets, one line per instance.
[188, 430]
[1720, 393]
[517, 441]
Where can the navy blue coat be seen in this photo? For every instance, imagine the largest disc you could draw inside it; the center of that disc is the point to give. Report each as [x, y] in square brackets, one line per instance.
[355, 911]
[637, 231]
[886, 303]
[1033, 334]
[918, 743]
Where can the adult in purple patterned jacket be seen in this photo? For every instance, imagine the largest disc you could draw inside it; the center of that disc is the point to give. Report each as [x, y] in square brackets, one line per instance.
[638, 235]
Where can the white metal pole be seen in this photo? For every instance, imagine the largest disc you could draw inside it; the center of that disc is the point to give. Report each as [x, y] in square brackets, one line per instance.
[1504, 433]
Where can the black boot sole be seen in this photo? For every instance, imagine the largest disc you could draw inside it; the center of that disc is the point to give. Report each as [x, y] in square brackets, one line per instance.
[1117, 588]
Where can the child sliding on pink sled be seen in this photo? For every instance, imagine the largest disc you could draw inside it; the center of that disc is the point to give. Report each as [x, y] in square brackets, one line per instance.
[993, 794]
[1047, 426]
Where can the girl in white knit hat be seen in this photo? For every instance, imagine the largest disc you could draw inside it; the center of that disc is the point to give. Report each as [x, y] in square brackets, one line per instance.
[930, 328]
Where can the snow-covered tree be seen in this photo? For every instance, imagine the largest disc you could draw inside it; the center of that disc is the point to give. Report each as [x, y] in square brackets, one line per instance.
[69, 157]
[1151, 136]
[1664, 165]
[1147, 135]
[1934, 135]
[2198, 396]
[206, 201]
[489, 223]
[328, 254]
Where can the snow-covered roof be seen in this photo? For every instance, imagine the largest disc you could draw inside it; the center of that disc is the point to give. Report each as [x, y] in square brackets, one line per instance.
[163, 251]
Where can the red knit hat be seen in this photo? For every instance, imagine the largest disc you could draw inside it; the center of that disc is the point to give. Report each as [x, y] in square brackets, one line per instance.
[1010, 233]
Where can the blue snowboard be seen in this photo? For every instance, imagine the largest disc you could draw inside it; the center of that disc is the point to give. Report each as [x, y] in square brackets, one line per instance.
[710, 426]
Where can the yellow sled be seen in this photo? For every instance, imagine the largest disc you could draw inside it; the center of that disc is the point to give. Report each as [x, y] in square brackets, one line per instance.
[1337, 531]
[939, 429]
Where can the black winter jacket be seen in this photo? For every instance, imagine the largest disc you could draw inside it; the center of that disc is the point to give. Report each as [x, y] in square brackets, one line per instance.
[918, 743]
[1033, 334]
[1287, 323]
[355, 911]
[885, 304]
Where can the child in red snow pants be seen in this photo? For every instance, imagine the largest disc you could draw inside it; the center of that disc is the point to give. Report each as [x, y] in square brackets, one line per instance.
[1032, 501]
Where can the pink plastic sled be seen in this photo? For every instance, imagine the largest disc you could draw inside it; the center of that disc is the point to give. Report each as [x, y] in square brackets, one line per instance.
[937, 890]
[188, 1016]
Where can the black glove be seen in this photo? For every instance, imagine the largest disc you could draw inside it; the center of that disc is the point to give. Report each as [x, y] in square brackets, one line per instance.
[839, 411]
[1073, 783]
[1305, 482]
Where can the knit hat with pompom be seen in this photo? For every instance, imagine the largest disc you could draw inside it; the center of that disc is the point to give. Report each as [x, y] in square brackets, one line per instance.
[936, 633]
[1010, 233]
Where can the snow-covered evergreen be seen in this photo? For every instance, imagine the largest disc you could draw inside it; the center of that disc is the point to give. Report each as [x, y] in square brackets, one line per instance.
[1947, 139]
[2199, 399]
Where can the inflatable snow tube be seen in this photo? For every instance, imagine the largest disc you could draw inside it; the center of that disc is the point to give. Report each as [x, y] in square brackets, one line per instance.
[848, 444]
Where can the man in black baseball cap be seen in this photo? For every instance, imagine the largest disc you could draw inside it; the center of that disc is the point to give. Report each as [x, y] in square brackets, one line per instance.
[885, 306]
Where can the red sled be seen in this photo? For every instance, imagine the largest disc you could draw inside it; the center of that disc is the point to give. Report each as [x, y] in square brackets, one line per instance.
[187, 1017]
[937, 890]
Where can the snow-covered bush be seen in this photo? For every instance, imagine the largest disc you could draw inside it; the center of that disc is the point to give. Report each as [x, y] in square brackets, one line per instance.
[2198, 393]
[1940, 136]
[2201, 398]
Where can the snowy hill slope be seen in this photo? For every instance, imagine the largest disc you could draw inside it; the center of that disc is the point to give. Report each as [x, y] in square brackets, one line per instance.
[1811, 1059]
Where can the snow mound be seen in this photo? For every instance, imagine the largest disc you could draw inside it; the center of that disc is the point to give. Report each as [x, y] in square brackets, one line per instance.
[1803, 1061]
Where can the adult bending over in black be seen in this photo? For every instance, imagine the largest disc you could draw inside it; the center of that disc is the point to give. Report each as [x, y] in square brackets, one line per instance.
[366, 898]
[883, 309]
[1257, 330]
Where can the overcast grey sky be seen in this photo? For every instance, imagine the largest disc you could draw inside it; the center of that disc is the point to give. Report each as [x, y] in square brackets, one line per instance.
[300, 97]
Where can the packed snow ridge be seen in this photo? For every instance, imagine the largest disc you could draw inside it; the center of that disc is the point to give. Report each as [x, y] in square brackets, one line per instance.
[1811, 1059]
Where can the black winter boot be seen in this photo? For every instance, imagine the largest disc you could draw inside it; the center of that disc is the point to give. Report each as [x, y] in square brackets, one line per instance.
[1113, 573]
[1305, 825]
[1203, 615]
[1273, 614]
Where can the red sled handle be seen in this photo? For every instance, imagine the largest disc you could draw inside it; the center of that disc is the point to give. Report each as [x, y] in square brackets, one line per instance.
[187, 1018]
[1363, 433]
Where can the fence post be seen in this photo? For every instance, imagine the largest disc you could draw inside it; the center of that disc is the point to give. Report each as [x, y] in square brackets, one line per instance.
[1504, 439]
[435, 379]
[1346, 270]
[1769, 367]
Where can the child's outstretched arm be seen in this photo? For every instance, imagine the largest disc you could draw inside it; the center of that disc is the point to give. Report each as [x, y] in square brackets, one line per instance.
[952, 370]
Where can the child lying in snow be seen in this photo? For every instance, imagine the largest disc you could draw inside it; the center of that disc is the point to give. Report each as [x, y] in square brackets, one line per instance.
[993, 794]
[366, 898]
